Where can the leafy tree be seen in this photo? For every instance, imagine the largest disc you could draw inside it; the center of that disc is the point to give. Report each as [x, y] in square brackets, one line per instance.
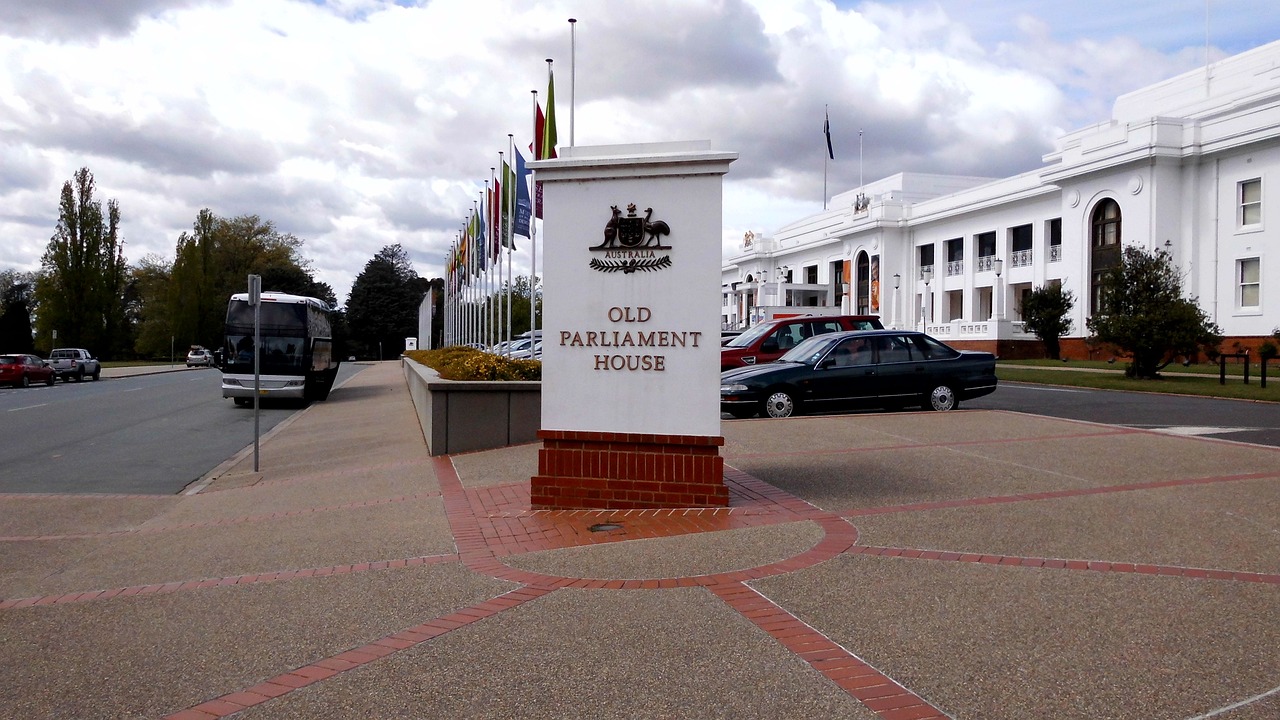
[382, 309]
[519, 290]
[1144, 313]
[147, 307]
[80, 290]
[213, 261]
[1045, 313]
[17, 293]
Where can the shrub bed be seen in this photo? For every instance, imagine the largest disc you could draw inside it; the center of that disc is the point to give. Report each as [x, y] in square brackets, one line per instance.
[464, 363]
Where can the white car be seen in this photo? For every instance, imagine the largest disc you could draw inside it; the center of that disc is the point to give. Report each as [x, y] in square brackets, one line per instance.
[199, 356]
[527, 353]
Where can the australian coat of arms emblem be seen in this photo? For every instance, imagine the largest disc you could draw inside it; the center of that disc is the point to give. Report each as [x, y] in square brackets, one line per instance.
[631, 243]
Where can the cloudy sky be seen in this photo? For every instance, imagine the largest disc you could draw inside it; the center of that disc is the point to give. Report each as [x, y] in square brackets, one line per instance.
[355, 124]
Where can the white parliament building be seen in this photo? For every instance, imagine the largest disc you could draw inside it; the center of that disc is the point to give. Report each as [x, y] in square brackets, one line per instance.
[1190, 166]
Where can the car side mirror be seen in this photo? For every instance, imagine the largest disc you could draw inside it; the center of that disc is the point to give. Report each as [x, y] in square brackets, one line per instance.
[769, 345]
[827, 363]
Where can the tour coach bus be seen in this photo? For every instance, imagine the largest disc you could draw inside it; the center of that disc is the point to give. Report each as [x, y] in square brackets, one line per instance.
[297, 356]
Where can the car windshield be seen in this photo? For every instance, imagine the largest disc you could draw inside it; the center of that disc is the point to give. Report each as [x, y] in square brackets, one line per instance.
[809, 351]
[747, 338]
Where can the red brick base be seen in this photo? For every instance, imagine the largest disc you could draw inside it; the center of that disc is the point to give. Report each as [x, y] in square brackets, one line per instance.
[621, 471]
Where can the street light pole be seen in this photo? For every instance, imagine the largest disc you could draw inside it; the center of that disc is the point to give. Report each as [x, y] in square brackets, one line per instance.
[926, 275]
[897, 282]
[996, 293]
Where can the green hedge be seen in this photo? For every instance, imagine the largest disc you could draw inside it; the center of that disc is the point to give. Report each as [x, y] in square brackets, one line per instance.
[464, 363]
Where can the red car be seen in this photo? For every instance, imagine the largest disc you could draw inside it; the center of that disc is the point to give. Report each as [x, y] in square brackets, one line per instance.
[769, 340]
[22, 370]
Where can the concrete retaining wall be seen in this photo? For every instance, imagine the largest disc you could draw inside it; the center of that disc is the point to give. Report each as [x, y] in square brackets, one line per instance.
[463, 416]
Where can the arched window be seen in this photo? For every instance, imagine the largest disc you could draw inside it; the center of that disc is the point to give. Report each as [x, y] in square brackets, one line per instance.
[862, 274]
[1104, 251]
[1106, 223]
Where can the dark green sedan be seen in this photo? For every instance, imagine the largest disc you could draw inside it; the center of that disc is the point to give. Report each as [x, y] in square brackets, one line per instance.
[859, 369]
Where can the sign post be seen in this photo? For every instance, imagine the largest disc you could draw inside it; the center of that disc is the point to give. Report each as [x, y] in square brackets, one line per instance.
[631, 327]
[255, 301]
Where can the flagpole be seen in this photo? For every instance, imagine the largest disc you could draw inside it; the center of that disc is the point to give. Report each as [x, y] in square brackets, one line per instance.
[511, 236]
[490, 319]
[533, 225]
[484, 268]
[573, 75]
[827, 131]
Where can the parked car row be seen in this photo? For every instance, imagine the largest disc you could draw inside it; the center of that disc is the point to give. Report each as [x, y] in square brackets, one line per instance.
[521, 348]
[862, 368]
[24, 369]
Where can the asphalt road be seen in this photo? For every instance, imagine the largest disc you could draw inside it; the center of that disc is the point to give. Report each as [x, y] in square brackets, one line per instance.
[1239, 420]
[155, 434]
[147, 434]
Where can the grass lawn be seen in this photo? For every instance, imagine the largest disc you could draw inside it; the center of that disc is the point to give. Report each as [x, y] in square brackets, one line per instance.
[1234, 367]
[1183, 381]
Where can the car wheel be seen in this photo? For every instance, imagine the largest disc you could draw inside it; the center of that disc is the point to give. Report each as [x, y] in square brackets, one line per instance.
[97, 374]
[49, 381]
[79, 376]
[780, 404]
[243, 402]
[942, 399]
[25, 382]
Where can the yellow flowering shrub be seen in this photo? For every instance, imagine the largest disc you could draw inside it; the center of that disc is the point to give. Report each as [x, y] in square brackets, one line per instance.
[464, 363]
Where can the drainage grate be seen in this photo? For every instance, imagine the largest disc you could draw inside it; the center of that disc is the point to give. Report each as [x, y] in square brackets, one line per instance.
[604, 527]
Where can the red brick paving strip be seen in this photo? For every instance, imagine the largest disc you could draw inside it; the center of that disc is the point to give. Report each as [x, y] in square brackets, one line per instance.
[864, 683]
[286, 683]
[265, 517]
[1053, 494]
[172, 587]
[953, 443]
[1060, 564]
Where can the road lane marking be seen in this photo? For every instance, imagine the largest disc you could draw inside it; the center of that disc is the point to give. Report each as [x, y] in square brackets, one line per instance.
[1236, 706]
[1040, 389]
[1194, 430]
[28, 407]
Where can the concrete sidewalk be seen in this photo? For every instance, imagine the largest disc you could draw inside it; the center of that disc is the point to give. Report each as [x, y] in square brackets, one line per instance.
[974, 564]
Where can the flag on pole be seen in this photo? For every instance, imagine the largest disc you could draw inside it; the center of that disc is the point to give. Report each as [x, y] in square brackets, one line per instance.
[539, 124]
[482, 252]
[548, 147]
[495, 219]
[508, 202]
[826, 129]
[524, 206]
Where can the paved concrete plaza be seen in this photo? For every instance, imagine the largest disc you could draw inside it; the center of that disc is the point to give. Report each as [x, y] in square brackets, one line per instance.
[973, 564]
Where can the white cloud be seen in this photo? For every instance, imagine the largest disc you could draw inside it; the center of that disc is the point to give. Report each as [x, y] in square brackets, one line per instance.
[356, 124]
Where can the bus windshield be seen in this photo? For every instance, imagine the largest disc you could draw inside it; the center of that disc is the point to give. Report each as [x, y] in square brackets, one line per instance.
[283, 335]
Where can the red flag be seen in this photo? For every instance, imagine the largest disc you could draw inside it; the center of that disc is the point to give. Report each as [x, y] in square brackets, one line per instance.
[536, 148]
[539, 122]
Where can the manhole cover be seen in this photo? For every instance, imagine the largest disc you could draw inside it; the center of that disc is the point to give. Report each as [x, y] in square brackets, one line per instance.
[604, 527]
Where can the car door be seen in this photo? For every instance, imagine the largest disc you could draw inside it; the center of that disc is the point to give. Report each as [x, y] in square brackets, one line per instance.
[846, 377]
[901, 369]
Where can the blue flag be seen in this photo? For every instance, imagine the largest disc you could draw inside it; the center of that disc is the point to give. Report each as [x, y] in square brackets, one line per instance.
[524, 205]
